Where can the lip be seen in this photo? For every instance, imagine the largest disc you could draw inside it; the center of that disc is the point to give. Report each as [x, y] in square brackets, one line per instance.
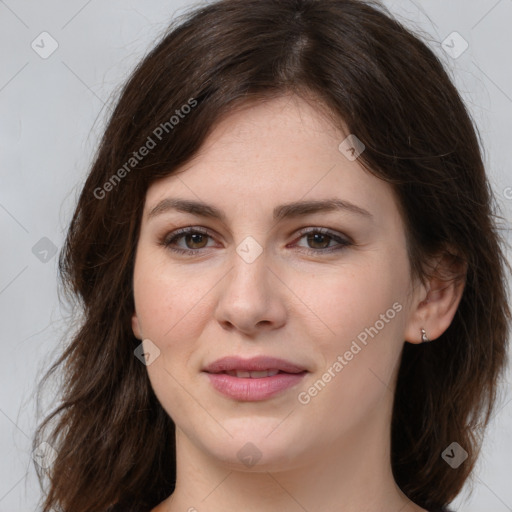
[257, 363]
[253, 389]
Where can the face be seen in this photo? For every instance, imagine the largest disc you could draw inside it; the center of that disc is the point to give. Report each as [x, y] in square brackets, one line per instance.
[327, 290]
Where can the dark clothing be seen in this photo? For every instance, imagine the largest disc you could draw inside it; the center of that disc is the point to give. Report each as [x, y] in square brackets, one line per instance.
[437, 510]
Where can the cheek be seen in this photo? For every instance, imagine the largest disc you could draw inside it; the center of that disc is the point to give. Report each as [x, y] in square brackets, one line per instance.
[173, 307]
[360, 314]
[365, 312]
[346, 301]
[167, 301]
[169, 309]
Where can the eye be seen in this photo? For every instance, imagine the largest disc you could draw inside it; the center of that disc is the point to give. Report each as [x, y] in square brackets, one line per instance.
[321, 238]
[196, 238]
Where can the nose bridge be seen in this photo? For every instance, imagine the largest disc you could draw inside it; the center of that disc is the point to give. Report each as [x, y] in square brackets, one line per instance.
[250, 266]
[249, 250]
[247, 298]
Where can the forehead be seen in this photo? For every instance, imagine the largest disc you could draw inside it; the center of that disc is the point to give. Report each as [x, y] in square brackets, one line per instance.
[270, 153]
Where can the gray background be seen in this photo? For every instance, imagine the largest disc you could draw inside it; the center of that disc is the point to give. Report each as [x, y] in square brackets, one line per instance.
[53, 111]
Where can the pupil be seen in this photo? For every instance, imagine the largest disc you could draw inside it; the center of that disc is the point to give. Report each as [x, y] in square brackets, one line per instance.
[194, 238]
[317, 238]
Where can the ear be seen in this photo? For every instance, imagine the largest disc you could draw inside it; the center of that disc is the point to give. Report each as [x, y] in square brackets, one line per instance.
[436, 301]
[137, 331]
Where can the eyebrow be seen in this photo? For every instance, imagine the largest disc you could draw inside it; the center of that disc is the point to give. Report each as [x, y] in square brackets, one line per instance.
[284, 211]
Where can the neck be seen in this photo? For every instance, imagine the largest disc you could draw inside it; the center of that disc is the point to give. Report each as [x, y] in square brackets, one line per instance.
[352, 474]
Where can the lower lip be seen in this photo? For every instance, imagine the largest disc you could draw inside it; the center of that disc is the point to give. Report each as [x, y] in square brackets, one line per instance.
[251, 390]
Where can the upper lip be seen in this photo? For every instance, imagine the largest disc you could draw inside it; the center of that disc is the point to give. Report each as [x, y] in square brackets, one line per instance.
[259, 363]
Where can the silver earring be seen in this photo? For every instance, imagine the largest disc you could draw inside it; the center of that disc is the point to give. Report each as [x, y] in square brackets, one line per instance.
[424, 337]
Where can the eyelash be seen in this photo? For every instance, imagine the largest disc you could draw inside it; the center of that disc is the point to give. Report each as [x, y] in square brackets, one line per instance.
[172, 237]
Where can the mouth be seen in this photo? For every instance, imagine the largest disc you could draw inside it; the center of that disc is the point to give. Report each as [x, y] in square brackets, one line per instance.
[254, 379]
[253, 368]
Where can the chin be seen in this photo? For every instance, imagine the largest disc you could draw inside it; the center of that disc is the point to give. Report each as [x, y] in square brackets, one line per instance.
[253, 449]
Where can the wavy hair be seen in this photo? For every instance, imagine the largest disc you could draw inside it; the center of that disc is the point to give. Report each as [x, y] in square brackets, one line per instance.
[115, 443]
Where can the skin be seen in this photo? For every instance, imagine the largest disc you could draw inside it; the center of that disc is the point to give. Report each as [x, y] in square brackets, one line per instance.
[332, 453]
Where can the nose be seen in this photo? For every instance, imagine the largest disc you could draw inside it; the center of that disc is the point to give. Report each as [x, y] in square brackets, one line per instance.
[252, 297]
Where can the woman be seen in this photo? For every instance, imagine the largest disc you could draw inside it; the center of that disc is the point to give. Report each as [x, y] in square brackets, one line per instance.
[291, 280]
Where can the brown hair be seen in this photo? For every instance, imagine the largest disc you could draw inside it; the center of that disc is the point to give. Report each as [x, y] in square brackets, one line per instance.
[115, 443]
